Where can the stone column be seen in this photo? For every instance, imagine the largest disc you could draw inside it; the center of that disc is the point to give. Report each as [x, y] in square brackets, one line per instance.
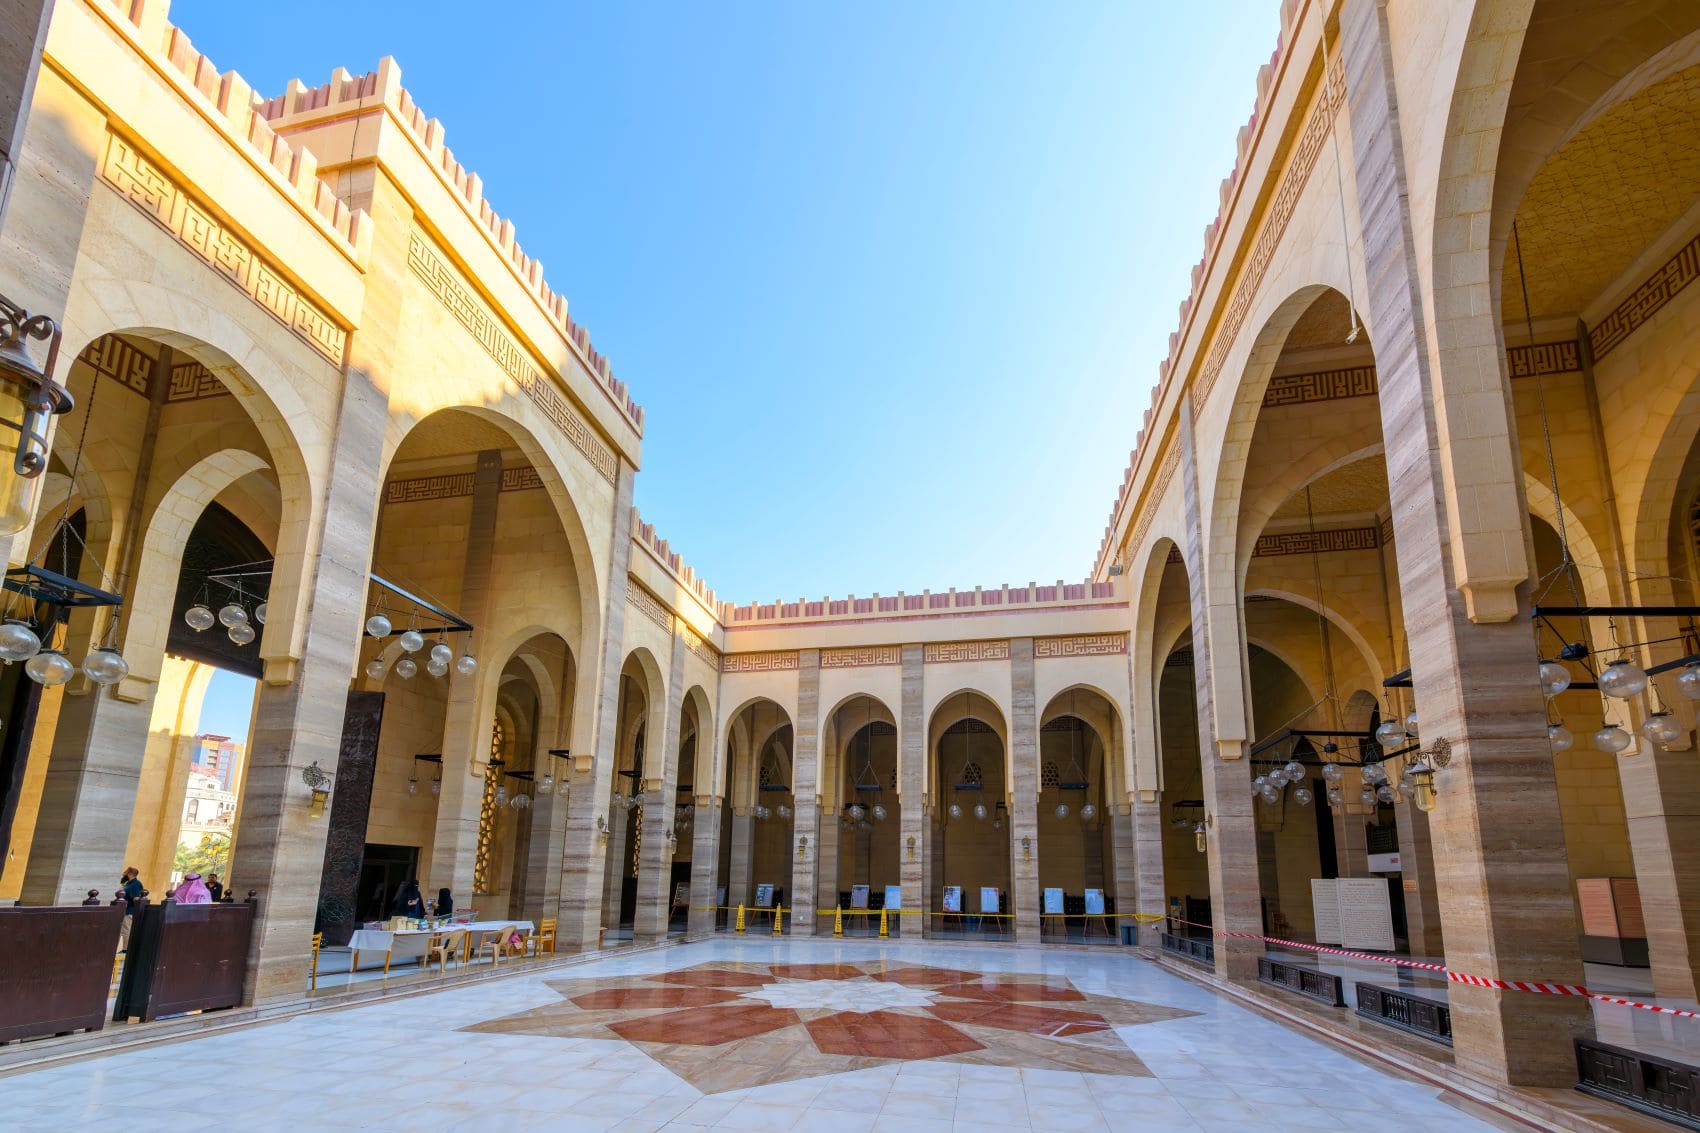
[1236, 900]
[1024, 788]
[655, 861]
[1149, 892]
[1416, 876]
[1351, 840]
[705, 864]
[586, 848]
[280, 846]
[826, 877]
[1501, 872]
[469, 718]
[23, 33]
[743, 853]
[805, 784]
[912, 790]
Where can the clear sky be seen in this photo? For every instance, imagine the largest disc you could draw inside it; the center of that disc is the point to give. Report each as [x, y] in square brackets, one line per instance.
[892, 280]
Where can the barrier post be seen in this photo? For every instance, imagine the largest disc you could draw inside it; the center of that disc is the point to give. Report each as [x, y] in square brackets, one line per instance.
[778, 918]
[739, 927]
[838, 920]
[883, 931]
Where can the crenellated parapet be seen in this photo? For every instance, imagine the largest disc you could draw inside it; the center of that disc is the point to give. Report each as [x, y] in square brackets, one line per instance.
[301, 105]
[927, 603]
[644, 534]
[229, 102]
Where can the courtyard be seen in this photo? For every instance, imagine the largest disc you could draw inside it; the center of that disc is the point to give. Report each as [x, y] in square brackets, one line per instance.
[759, 1034]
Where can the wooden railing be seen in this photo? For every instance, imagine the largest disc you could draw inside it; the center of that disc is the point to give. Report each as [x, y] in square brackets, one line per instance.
[56, 967]
[1324, 987]
[1407, 1010]
[1198, 951]
[185, 958]
[1657, 1086]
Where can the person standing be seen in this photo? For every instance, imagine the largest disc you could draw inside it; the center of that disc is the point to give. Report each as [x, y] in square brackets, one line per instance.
[409, 902]
[129, 888]
[215, 888]
[191, 891]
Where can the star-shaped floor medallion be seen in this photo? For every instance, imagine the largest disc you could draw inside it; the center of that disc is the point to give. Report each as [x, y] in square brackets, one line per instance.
[729, 1026]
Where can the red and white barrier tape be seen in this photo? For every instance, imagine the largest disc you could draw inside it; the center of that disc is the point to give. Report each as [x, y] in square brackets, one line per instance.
[1455, 977]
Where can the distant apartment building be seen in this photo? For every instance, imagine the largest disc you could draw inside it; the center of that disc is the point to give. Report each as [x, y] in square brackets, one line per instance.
[216, 756]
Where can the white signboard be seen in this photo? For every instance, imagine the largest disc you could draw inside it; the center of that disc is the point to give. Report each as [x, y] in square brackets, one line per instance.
[894, 896]
[953, 898]
[1384, 863]
[1053, 902]
[989, 900]
[1094, 902]
[1325, 907]
[858, 896]
[764, 896]
[1366, 915]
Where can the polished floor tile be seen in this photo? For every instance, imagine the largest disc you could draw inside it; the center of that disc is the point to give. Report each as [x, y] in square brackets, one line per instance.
[756, 1035]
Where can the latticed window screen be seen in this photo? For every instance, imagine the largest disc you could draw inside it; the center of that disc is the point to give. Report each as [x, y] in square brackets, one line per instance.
[971, 773]
[766, 775]
[1049, 776]
[487, 813]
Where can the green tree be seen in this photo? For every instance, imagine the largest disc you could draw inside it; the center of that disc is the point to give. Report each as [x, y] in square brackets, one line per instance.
[211, 856]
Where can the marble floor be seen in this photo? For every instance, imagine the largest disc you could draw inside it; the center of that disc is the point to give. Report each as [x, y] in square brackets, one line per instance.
[758, 1034]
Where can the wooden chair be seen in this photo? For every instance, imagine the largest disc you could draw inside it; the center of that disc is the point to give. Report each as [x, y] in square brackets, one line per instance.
[443, 947]
[313, 963]
[544, 939]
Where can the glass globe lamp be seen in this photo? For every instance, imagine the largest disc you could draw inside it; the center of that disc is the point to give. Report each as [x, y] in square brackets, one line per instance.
[1623, 678]
[232, 615]
[466, 665]
[856, 811]
[199, 618]
[1295, 771]
[879, 813]
[522, 801]
[1336, 797]
[502, 794]
[18, 642]
[1332, 772]
[1367, 796]
[1560, 737]
[242, 633]
[260, 612]
[405, 668]
[1088, 812]
[1555, 678]
[784, 811]
[1662, 728]
[1302, 795]
[439, 653]
[436, 668]
[412, 641]
[104, 666]
[49, 668]
[1390, 734]
[378, 626]
[1688, 681]
[1061, 811]
[980, 812]
[1384, 793]
[413, 786]
[1271, 794]
[955, 810]
[375, 669]
[546, 782]
[1612, 738]
[1411, 727]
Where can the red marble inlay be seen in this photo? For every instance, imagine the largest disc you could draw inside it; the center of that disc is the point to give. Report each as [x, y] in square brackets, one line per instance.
[923, 977]
[886, 1034]
[1007, 990]
[632, 998]
[1050, 1021]
[705, 1026]
[818, 971]
[713, 977]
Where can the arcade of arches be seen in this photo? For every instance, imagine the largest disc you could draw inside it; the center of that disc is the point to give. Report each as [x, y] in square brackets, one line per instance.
[1437, 377]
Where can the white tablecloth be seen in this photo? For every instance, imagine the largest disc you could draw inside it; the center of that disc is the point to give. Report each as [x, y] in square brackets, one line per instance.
[410, 943]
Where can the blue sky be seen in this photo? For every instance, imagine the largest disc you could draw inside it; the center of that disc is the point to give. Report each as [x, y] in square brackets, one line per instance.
[891, 280]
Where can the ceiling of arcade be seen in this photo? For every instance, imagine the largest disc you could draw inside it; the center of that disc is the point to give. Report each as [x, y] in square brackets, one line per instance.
[1325, 323]
[1607, 193]
[452, 434]
[1359, 488]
